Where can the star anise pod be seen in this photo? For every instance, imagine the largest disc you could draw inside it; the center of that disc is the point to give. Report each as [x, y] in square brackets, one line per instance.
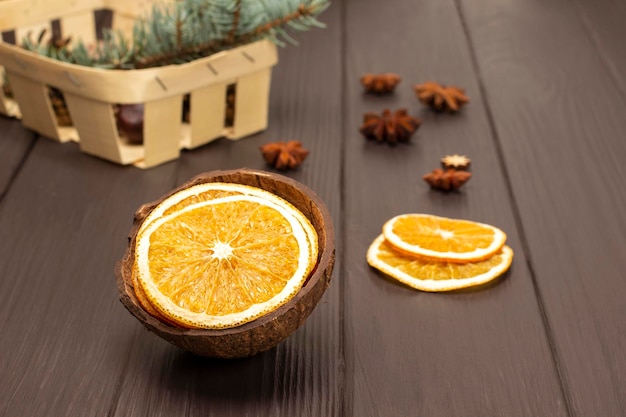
[392, 128]
[450, 179]
[440, 97]
[455, 161]
[283, 155]
[380, 83]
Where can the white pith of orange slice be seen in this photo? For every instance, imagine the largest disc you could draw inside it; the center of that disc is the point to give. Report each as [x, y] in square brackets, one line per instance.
[443, 239]
[196, 194]
[433, 276]
[223, 262]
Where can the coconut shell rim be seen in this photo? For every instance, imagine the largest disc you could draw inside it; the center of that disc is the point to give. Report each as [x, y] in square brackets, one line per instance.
[325, 257]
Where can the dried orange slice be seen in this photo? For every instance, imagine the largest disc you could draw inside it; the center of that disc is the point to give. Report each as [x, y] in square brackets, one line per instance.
[214, 190]
[145, 303]
[196, 194]
[429, 275]
[223, 262]
[443, 239]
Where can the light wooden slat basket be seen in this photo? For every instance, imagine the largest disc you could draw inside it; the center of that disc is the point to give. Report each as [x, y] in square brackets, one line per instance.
[92, 94]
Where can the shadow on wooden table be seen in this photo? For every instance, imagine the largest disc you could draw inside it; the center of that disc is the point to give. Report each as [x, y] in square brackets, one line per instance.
[242, 380]
[267, 379]
[165, 380]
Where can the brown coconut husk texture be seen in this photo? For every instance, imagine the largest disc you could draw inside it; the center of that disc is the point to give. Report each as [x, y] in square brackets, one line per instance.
[269, 330]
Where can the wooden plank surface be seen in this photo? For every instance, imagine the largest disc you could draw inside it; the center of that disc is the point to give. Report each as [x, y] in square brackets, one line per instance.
[15, 143]
[66, 337]
[473, 353]
[603, 23]
[543, 129]
[559, 117]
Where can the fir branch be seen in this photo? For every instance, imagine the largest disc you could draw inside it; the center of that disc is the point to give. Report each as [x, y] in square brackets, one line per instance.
[236, 16]
[179, 32]
[198, 51]
[304, 11]
[186, 30]
[55, 47]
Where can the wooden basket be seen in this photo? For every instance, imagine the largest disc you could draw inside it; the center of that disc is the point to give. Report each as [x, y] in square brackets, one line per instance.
[92, 94]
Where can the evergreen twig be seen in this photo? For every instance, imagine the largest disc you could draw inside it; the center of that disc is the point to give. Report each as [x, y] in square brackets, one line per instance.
[214, 46]
[187, 30]
[236, 16]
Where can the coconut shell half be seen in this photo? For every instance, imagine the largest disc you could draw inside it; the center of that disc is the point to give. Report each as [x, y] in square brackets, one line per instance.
[269, 330]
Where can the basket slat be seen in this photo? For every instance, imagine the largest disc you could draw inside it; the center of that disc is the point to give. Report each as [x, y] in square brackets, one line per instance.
[136, 86]
[35, 105]
[23, 13]
[96, 123]
[162, 130]
[9, 107]
[208, 110]
[3, 100]
[133, 8]
[33, 31]
[123, 23]
[252, 95]
[81, 26]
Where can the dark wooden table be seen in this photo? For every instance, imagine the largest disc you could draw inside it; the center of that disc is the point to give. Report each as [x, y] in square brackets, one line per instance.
[544, 130]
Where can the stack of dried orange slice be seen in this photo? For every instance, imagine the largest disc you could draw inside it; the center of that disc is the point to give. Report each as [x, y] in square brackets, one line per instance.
[218, 255]
[432, 253]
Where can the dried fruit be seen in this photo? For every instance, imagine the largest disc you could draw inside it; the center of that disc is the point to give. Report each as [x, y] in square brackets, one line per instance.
[130, 119]
[380, 83]
[224, 261]
[427, 275]
[392, 128]
[283, 155]
[229, 116]
[447, 180]
[440, 97]
[59, 106]
[211, 191]
[443, 239]
[455, 161]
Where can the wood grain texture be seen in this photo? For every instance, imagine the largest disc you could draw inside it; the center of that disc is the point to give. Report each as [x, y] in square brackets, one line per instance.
[560, 123]
[15, 142]
[303, 375]
[544, 131]
[603, 23]
[469, 353]
[65, 336]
